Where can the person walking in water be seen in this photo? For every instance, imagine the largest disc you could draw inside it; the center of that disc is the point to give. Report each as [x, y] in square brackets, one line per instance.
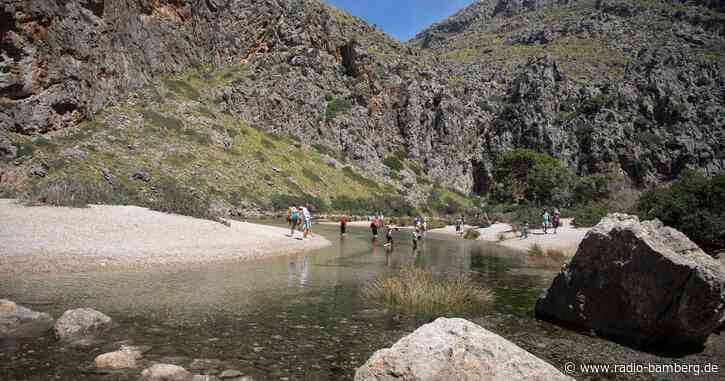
[294, 216]
[343, 225]
[374, 224]
[525, 230]
[546, 221]
[557, 219]
[389, 235]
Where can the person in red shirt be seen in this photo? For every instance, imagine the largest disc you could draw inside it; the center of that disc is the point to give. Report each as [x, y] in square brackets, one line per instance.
[343, 225]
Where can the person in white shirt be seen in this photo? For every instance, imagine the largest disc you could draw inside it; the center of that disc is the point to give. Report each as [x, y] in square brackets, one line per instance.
[306, 222]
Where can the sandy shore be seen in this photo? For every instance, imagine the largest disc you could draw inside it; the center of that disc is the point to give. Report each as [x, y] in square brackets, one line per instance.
[49, 239]
[566, 239]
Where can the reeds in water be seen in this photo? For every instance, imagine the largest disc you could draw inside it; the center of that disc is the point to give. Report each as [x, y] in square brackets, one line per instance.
[418, 291]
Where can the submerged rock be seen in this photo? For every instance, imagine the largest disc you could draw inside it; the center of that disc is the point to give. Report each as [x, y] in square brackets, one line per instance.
[165, 372]
[638, 282]
[81, 322]
[204, 377]
[18, 321]
[230, 373]
[455, 349]
[117, 360]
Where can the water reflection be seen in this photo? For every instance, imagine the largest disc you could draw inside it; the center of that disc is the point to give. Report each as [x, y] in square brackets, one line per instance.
[297, 271]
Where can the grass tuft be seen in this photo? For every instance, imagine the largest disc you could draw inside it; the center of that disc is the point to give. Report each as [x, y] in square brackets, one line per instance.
[417, 290]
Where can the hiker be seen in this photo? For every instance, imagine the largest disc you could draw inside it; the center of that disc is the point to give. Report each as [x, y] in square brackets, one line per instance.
[294, 217]
[374, 227]
[416, 236]
[459, 228]
[389, 235]
[306, 222]
[343, 225]
[546, 221]
[557, 219]
[525, 230]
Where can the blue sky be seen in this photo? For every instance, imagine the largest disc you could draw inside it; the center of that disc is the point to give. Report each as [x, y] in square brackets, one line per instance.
[402, 19]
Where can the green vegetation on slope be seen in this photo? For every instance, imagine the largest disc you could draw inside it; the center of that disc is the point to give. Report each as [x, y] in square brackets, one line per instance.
[694, 204]
[170, 148]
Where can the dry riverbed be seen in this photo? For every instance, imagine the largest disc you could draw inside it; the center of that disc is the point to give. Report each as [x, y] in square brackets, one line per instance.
[54, 239]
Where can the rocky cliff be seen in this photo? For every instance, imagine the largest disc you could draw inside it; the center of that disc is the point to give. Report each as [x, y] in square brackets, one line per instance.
[637, 87]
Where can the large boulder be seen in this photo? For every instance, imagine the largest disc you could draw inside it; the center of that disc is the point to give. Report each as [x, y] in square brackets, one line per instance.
[638, 282]
[17, 321]
[455, 349]
[81, 322]
[165, 372]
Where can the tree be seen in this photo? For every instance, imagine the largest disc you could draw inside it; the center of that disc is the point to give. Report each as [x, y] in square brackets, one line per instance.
[526, 175]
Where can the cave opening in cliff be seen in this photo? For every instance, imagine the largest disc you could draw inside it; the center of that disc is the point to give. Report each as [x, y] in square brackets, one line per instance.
[349, 58]
[481, 180]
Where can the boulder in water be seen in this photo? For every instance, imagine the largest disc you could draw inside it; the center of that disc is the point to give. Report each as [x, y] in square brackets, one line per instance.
[81, 322]
[165, 372]
[638, 282]
[116, 360]
[17, 321]
[455, 349]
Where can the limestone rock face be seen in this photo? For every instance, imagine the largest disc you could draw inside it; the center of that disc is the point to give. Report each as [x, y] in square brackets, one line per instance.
[455, 349]
[640, 282]
[18, 321]
[616, 95]
[165, 372]
[81, 322]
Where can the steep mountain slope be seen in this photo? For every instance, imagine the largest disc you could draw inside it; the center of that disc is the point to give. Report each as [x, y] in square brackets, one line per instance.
[618, 85]
[624, 86]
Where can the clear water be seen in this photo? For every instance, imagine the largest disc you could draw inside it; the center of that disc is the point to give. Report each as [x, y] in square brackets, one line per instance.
[298, 317]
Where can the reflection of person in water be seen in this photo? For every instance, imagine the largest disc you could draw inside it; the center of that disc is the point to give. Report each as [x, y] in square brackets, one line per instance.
[297, 268]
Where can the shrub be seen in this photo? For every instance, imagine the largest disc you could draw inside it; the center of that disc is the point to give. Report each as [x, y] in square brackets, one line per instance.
[336, 106]
[284, 201]
[171, 197]
[416, 169]
[394, 163]
[417, 290]
[156, 119]
[391, 205]
[312, 176]
[472, 234]
[266, 143]
[442, 204]
[362, 180]
[182, 88]
[323, 149]
[596, 187]
[694, 204]
[590, 214]
[524, 174]
[70, 192]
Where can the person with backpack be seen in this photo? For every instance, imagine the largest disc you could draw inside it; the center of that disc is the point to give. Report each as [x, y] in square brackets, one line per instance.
[294, 217]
